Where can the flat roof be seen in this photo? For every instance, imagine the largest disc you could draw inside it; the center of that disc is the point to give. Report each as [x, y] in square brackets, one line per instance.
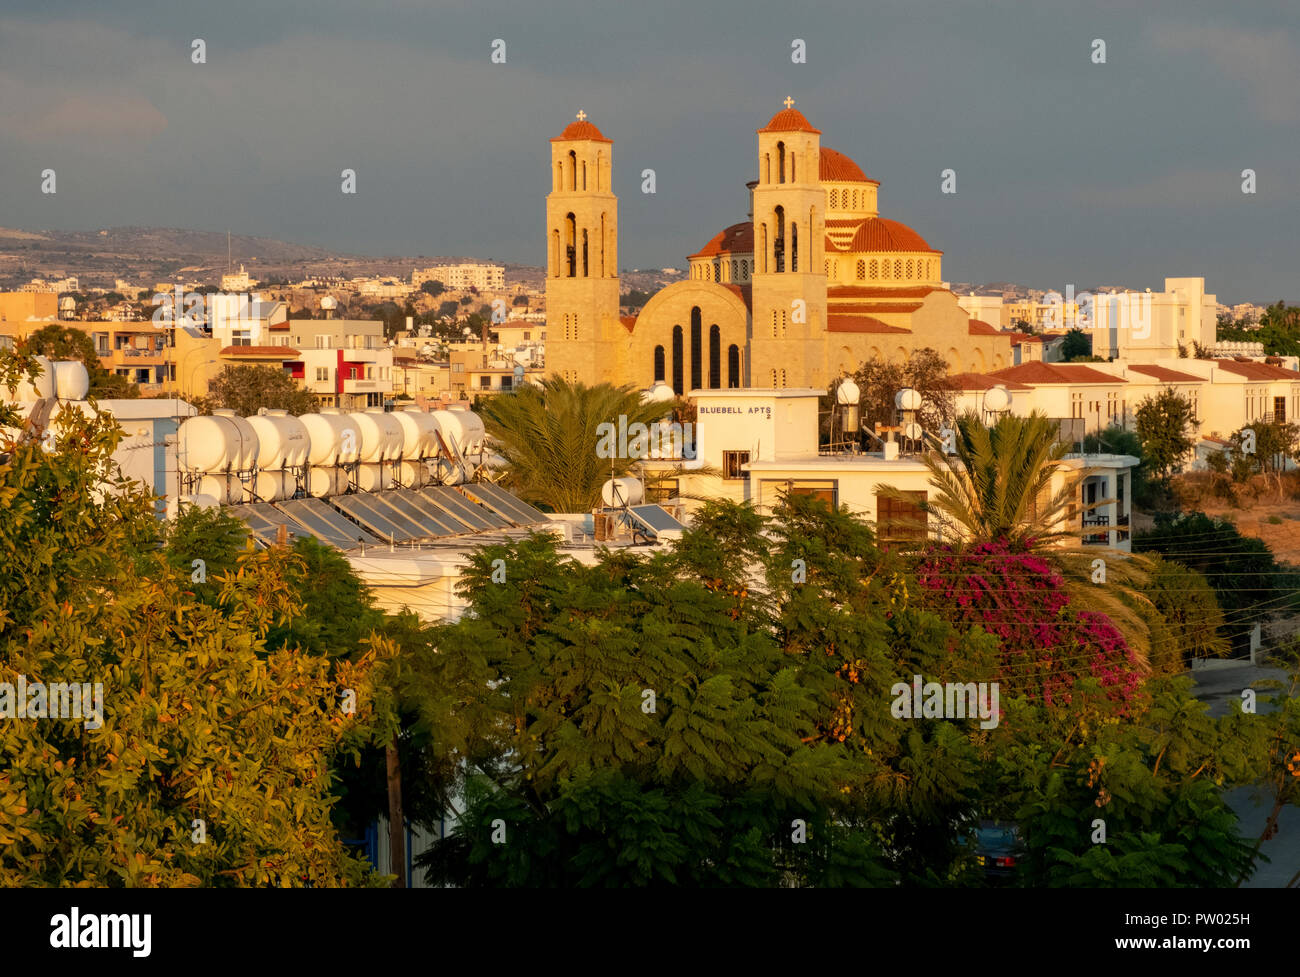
[743, 392]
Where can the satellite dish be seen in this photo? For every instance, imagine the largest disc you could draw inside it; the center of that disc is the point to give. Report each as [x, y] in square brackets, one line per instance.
[519, 373]
[329, 302]
[997, 400]
[659, 393]
[912, 431]
[847, 392]
[907, 399]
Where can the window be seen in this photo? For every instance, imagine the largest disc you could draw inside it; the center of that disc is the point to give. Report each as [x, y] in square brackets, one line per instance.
[1076, 404]
[659, 364]
[715, 357]
[874, 270]
[485, 382]
[678, 372]
[733, 463]
[900, 520]
[1279, 409]
[697, 349]
[458, 368]
[827, 491]
[322, 374]
[862, 271]
[733, 365]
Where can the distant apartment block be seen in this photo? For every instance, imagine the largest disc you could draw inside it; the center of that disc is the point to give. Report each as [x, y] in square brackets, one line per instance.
[1154, 324]
[238, 282]
[486, 278]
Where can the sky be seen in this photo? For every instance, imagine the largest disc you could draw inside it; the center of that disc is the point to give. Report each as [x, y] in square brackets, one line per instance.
[1067, 172]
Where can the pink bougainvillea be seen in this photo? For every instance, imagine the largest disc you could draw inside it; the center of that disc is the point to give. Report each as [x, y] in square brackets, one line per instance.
[1018, 597]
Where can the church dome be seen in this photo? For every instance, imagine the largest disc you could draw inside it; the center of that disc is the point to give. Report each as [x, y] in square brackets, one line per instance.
[838, 168]
[736, 239]
[789, 120]
[878, 234]
[581, 129]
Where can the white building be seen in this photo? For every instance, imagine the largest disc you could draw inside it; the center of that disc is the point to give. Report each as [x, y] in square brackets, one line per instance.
[484, 277]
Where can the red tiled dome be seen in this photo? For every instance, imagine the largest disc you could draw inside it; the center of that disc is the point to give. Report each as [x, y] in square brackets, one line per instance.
[839, 168]
[736, 239]
[581, 129]
[878, 234]
[789, 120]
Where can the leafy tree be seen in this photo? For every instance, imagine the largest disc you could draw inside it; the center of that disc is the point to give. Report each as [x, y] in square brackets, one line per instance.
[1166, 425]
[434, 288]
[246, 388]
[1118, 440]
[209, 763]
[879, 380]
[1191, 614]
[549, 436]
[448, 309]
[1274, 445]
[1240, 568]
[68, 343]
[1076, 343]
[520, 300]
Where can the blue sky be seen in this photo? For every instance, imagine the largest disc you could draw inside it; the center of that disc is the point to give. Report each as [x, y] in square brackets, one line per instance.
[1067, 171]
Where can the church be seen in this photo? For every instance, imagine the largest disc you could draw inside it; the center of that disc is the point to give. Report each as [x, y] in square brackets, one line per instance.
[813, 282]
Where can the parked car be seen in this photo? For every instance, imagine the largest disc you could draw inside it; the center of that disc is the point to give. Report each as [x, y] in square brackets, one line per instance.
[998, 848]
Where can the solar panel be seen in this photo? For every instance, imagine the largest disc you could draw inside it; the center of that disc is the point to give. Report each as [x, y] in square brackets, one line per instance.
[413, 507]
[326, 524]
[655, 518]
[383, 520]
[264, 521]
[499, 500]
[475, 516]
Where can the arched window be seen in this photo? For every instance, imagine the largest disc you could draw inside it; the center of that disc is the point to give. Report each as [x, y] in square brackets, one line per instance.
[793, 157]
[828, 268]
[780, 162]
[584, 174]
[697, 350]
[873, 270]
[659, 364]
[677, 361]
[715, 357]
[898, 267]
[555, 254]
[763, 246]
[603, 271]
[600, 165]
[571, 245]
[783, 323]
[774, 326]
[794, 247]
[783, 379]
[773, 378]
[733, 365]
[559, 176]
[573, 170]
[584, 253]
[767, 167]
[862, 270]
[834, 199]
[908, 267]
[778, 246]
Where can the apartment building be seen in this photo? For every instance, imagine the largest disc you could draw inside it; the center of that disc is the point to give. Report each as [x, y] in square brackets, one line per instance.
[484, 277]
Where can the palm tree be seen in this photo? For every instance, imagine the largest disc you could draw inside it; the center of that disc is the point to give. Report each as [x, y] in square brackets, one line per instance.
[995, 486]
[548, 435]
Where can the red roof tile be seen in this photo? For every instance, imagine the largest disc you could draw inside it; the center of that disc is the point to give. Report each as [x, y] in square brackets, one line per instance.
[978, 327]
[839, 168]
[878, 234]
[629, 322]
[876, 291]
[1257, 371]
[581, 129]
[981, 381]
[736, 239]
[745, 292]
[866, 323]
[1166, 375]
[1024, 337]
[1039, 372]
[789, 120]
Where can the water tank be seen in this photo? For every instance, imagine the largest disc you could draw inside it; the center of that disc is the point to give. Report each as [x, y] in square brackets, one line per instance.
[71, 381]
[413, 474]
[622, 491]
[373, 478]
[207, 444]
[659, 393]
[997, 399]
[326, 481]
[381, 436]
[223, 488]
[41, 387]
[419, 432]
[282, 439]
[271, 486]
[847, 392]
[462, 430]
[245, 458]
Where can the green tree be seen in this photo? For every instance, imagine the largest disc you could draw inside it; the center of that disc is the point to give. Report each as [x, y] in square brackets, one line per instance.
[67, 343]
[1075, 344]
[246, 388]
[1166, 425]
[550, 436]
[879, 379]
[448, 309]
[209, 762]
[434, 288]
[1194, 621]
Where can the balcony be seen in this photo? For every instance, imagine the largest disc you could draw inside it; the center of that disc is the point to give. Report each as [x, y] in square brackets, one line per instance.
[364, 386]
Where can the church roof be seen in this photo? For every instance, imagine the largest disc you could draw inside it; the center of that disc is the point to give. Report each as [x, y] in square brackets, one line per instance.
[978, 327]
[878, 234]
[736, 239]
[839, 168]
[860, 323]
[789, 120]
[1040, 372]
[628, 321]
[581, 129]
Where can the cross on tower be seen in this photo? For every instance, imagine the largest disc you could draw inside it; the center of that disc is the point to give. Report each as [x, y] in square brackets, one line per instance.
[789, 102]
[581, 115]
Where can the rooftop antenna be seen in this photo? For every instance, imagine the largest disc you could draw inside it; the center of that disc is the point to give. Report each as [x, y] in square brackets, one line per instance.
[227, 251]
